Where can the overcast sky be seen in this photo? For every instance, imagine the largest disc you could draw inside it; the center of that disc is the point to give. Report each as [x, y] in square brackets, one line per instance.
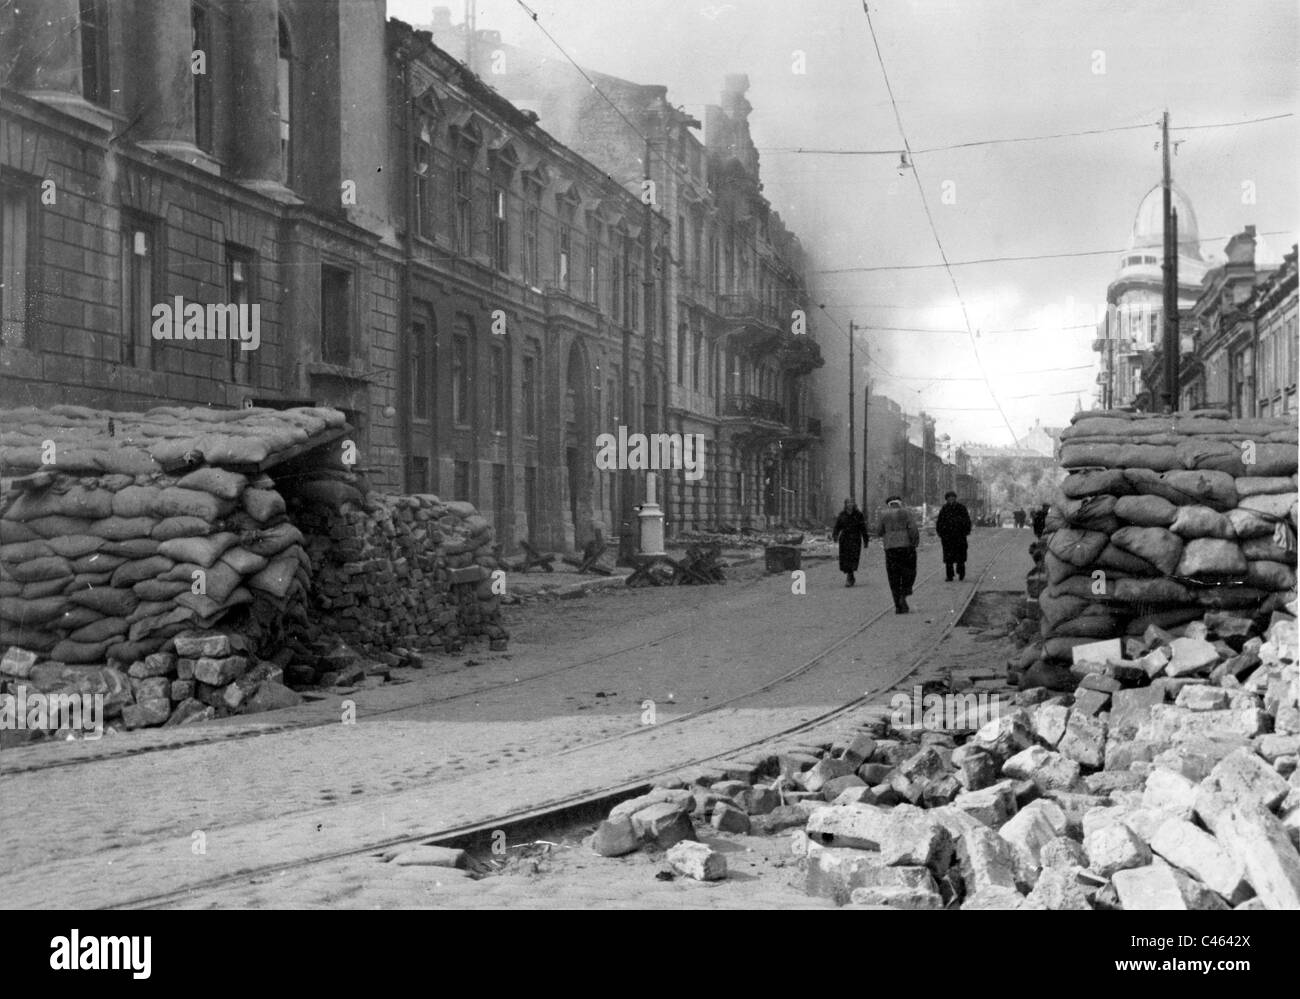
[963, 71]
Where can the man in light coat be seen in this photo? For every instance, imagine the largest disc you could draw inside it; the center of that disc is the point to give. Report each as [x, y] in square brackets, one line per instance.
[899, 535]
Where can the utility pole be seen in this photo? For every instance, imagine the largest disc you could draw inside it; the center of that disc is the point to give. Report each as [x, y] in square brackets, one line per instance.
[853, 404]
[1170, 268]
[866, 418]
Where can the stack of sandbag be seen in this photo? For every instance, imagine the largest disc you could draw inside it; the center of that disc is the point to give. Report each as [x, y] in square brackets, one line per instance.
[399, 572]
[1163, 517]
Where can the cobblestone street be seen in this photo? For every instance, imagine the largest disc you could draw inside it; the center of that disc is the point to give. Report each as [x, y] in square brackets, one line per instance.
[467, 741]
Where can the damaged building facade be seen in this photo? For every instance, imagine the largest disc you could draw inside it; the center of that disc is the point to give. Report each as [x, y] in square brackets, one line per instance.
[737, 342]
[479, 299]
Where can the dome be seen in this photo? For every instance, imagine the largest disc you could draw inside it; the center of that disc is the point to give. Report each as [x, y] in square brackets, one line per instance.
[1148, 227]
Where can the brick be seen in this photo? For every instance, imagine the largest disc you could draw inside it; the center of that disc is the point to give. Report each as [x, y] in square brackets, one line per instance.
[1166, 789]
[615, 837]
[1191, 656]
[1033, 826]
[1115, 848]
[1057, 890]
[1046, 769]
[728, 818]
[1149, 888]
[1050, 721]
[1201, 855]
[1090, 702]
[1084, 741]
[698, 861]
[429, 856]
[1202, 697]
[991, 805]
[664, 823]
[912, 839]
[834, 872]
[985, 860]
[1244, 779]
[826, 769]
[857, 826]
[923, 897]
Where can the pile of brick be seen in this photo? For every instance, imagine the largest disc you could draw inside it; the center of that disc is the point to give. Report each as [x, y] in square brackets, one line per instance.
[1182, 793]
[400, 572]
[1163, 517]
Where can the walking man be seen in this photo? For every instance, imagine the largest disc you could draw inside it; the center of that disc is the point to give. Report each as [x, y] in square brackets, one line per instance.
[851, 532]
[953, 526]
[900, 537]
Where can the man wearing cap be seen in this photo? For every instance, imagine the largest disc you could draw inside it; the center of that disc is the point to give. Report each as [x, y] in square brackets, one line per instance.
[900, 537]
[953, 526]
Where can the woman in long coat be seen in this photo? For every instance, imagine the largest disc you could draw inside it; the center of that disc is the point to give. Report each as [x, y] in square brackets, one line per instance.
[851, 532]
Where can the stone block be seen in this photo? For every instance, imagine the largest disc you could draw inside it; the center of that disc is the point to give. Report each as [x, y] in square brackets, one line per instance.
[698, 861]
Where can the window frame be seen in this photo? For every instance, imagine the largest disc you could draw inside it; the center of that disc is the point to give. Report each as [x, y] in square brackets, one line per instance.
[24, 191]
[201, 41]
[241, 361]
[92, 24]
[136, 332]
[327, 354]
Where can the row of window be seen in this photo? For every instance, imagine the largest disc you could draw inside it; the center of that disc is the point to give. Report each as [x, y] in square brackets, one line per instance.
[628, 259]
[96, 82]
[142, 280]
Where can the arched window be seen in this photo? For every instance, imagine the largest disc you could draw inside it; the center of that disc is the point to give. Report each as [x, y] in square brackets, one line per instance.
[284, 78]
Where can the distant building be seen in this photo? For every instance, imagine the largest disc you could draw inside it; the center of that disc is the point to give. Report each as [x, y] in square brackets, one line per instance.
[1276, 350]
[1042, 440]
[1132, 331]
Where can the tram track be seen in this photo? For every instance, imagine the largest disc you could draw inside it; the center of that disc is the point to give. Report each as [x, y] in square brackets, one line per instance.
[559, 809]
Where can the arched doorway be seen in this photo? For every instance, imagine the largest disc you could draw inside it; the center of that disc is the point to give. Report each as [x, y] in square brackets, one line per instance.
[578, 458]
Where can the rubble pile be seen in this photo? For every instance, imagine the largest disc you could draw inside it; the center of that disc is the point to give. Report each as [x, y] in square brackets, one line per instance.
[1166, 781]
[1164, 517]
[394, 573]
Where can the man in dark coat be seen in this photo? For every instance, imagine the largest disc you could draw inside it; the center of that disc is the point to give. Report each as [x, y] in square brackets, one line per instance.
[851, 532]
[1039, 519]
[952, 526]
[899, 534]
[1019, 518]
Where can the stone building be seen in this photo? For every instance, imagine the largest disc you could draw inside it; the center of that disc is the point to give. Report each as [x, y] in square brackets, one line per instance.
[1270, 379]
[738, 342]
[1130, 335]
[529, 320]
[222, 152]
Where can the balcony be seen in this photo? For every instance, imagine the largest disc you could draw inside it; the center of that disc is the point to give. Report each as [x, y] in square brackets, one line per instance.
[751, 407]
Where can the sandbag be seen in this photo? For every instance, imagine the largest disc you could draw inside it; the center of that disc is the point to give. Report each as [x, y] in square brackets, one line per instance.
[32, 639]
[105, 600]
[1273, 576]
[97, 562]
[136, 501]
[1276, 505]
[1095, 513]
[1096, 426]
[277, 577]
[1279, 546]
[1059, 648]
[12, 531]
[176, 618]
[132, 548]
[146, 568]
[201, 551]
[177, 502]
[1250, 523]
[1202, 522]
[74, 546]
[1146, 510]
[78, 501]
[1212, 558]
[1113, 560]
[1156, 457]
[79, 653]
[54, 526]
[44, 588]
[122, 528]
[1264, 485]
[74, 617]
[207, 610]
[1058, 569]
[1220, 456]
[243, 561]
[221, 581]
[1085, 587]
[1208, 488]
[25, 551]
[263, 504]
[274, 540]
[1160, 547]
[1093, 625]
[154, 590]
[1084, 455]
[217, 481]
[1090, 483]
[1077, 547]
[1152, 591]
[1227, 597]
[100, 630]
[1273, 459]
[1057, 607]
[34, 570]
[31, 612]
[1171, 618]
[180, 527]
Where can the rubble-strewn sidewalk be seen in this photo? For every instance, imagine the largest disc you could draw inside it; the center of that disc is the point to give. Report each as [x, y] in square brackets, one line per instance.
[1179, 793]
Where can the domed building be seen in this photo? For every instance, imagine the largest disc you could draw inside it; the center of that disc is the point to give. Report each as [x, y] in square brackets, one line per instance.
[1134, 323]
